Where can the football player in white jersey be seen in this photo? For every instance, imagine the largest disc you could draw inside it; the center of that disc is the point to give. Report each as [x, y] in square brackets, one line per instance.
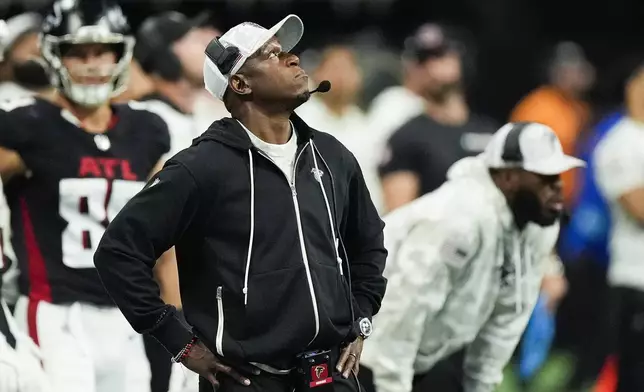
[69, 162]
[20, 368]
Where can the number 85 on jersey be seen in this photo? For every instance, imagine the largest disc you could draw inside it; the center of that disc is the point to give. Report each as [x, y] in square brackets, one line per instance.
[88, 205]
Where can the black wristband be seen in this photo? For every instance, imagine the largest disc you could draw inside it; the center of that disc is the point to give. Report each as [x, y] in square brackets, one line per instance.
[172, 333]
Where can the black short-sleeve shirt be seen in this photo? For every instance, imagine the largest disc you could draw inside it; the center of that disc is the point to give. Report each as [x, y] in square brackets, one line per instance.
[428, 148]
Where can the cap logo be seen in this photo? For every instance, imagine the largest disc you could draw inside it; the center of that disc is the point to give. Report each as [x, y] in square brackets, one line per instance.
[552, 138]
[543, 145]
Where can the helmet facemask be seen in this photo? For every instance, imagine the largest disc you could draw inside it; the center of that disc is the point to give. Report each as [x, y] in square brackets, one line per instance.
[112, 79]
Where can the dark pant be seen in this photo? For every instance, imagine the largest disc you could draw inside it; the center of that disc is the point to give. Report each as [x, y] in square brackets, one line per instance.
[581, 320]
[160, 364]
[266, 382]
[445, 376]
[628, 322]
[365, 376]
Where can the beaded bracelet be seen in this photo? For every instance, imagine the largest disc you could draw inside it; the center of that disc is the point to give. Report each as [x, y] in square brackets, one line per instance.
[185, 351]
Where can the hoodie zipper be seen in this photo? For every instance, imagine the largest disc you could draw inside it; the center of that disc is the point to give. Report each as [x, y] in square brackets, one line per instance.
[219, 340]
[300, 233]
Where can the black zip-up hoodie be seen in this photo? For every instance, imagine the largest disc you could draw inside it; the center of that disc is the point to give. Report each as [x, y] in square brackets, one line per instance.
[259, 268]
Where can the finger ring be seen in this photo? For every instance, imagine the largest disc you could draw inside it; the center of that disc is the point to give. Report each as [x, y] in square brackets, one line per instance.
[353, 355]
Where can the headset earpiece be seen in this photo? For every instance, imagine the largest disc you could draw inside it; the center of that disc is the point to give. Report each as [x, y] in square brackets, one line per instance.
[224, 57]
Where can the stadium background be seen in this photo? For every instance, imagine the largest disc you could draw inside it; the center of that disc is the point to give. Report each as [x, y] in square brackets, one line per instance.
[506, 41]
[509, 37]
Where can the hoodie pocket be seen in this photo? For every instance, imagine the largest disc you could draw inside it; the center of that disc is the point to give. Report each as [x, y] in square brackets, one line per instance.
[219, 338]
[277, 299]
[333, 294]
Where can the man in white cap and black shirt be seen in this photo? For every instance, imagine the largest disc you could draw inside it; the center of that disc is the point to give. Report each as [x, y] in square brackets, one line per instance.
[416, 157]
[465, 266]
[279, 247]
[20, 359]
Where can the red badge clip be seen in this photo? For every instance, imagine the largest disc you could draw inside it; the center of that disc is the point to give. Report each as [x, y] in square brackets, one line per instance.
[320, 375]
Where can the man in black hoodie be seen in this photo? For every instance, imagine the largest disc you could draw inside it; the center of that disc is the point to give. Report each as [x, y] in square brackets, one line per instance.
[279, 247]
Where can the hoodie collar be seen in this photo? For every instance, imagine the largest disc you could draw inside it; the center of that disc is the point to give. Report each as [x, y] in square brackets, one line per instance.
[230, 132]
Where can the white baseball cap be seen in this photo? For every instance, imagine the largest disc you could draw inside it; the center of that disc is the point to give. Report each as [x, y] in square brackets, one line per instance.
[531, 146]
[249, 37]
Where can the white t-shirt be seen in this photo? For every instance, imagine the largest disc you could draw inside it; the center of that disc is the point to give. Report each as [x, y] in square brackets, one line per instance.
[619, 166]
[351, 130]
[282, 154]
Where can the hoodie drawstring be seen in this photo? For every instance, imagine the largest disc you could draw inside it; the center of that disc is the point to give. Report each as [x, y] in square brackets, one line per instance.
[528, 270]
[252, 225]
[521, 260]
[318, 177]
[518, 290]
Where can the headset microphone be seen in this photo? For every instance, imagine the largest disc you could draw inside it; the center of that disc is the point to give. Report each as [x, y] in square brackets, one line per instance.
[323, 87]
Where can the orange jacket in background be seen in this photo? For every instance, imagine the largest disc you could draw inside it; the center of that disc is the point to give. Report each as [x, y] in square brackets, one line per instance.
[565, 115]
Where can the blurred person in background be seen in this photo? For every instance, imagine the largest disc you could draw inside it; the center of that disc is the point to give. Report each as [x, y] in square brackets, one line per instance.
[336, 112]
[584, 243]
[417, 156]
[465, 266]
[20, 367]
[619, 170]
[172, 48]
[22, 72]
[207, 109]
[166, 50]
[396, 105]
[560, 103]
[69, 162]
[138, 84]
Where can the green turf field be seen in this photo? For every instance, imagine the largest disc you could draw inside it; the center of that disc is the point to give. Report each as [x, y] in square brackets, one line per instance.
[552, 378]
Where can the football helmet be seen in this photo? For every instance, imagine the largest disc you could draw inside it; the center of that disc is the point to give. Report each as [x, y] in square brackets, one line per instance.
[74, 22]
